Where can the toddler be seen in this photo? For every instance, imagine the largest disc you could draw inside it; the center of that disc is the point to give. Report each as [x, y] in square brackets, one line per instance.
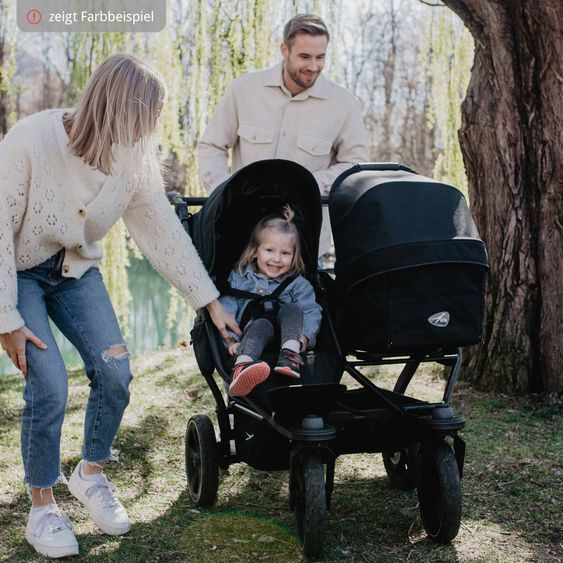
[271, 265]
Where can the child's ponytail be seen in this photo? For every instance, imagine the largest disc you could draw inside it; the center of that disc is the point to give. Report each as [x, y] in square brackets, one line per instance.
[287, 213]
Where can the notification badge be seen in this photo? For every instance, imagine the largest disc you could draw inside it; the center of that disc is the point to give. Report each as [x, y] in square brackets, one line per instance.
[33, 17]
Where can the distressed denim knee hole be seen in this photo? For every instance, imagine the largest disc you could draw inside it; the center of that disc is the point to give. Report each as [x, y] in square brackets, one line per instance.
[115, 352]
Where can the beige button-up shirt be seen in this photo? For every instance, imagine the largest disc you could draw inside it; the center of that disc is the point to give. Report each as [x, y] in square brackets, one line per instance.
[321, 128]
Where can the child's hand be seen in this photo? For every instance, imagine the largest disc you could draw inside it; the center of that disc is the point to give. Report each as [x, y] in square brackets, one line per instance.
[304, 343]
[233, 348]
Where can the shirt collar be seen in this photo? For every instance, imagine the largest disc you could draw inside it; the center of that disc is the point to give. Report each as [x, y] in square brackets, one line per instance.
[274, 77]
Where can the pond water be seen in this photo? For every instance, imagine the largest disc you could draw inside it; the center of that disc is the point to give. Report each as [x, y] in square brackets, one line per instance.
[148, 312]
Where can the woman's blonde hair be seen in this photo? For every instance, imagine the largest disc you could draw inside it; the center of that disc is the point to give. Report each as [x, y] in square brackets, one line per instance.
[280, 224]
[119, 106]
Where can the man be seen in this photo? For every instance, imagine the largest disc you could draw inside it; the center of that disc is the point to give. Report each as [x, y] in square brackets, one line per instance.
[289, 111]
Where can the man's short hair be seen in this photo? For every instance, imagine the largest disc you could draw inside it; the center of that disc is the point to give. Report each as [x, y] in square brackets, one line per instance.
[304, 23]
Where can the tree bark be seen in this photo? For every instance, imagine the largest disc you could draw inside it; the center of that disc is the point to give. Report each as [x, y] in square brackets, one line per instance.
[511, 139]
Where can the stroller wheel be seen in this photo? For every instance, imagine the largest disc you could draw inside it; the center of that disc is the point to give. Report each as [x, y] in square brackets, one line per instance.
[309, 498]
[401, 467]
[202, 466]
[439, 491]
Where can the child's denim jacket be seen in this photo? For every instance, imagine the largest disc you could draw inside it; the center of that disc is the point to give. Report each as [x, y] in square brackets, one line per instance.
[300, 292]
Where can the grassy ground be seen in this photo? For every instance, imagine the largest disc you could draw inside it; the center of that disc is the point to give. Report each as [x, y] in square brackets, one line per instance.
[512, 492]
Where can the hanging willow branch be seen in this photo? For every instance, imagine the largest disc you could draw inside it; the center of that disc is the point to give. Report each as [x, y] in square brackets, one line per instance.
[432, 5]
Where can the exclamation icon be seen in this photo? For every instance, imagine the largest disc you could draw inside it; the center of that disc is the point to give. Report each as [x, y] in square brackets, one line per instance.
[33, 17]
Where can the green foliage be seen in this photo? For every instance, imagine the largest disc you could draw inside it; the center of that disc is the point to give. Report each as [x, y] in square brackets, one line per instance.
[113, 267]
[446, 56]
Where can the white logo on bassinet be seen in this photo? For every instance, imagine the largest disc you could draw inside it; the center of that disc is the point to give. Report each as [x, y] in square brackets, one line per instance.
[440, 319]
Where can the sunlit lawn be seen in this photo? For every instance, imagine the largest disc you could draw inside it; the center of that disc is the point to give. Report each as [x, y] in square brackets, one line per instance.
[512, 489]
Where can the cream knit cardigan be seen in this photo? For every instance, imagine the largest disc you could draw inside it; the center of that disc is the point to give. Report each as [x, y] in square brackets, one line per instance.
[40, 215]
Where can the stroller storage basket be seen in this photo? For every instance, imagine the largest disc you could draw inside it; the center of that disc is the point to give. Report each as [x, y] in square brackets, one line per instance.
[410, 267]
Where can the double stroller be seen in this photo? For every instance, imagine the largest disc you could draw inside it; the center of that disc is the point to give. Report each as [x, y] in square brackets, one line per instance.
[407, 288]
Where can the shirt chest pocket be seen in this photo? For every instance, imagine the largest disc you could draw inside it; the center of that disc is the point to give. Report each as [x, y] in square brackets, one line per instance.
[314, 146]
[255, 134]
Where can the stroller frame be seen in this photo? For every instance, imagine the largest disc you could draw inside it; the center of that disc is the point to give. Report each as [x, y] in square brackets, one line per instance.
[318, 422]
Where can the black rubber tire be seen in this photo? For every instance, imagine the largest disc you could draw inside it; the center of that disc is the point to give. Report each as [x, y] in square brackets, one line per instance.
[310, 504]
[401, 467]
[439, 491]
[202, 465]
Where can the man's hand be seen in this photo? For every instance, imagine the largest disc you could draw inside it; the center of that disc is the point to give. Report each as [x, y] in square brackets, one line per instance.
[223, 320]
[14, 344]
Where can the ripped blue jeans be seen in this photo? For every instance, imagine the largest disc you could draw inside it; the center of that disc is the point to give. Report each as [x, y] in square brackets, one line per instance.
[81, 309]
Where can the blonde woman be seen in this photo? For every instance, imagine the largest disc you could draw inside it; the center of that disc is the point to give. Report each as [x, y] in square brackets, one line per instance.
[66, 176]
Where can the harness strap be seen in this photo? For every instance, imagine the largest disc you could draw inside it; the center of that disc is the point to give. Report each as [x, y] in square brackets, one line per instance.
[228, 290]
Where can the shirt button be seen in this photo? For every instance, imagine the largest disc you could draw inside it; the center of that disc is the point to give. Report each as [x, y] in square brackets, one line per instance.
[254, 137]
[66, 269]
[283, 134]
[82, 212]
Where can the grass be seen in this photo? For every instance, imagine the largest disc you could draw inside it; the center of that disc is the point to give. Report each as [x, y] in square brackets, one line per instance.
[512, 495]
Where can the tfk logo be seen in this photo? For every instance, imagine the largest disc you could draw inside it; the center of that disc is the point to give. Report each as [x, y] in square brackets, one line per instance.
[440, 319]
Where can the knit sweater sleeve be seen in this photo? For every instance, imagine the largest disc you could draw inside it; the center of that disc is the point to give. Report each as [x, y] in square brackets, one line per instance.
[159, 234]
[15, 173]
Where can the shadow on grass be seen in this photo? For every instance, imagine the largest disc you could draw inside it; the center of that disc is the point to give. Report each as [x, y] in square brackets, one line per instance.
[11, 400]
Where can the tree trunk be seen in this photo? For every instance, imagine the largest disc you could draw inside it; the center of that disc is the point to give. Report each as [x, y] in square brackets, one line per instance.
[512, 145]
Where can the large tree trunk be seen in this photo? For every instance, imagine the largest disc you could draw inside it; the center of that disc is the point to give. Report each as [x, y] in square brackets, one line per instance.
[511, 138]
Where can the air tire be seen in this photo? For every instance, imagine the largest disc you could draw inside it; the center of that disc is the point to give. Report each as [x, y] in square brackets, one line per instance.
[439, 491]
[202, 466]
[310, 503]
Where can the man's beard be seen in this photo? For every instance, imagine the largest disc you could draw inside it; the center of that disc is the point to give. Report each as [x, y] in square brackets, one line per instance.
[295, 76]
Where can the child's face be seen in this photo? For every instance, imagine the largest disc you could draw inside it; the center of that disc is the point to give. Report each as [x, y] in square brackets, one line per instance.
[275, 254]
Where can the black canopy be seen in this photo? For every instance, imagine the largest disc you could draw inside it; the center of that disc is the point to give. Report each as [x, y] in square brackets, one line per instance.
[221, 229]
[386, 218]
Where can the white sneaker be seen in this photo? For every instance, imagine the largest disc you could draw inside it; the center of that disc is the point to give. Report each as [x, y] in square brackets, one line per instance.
[97, 494]
[50, 532]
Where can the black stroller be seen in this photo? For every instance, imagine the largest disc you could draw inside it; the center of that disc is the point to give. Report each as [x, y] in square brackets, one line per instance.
[408, 288]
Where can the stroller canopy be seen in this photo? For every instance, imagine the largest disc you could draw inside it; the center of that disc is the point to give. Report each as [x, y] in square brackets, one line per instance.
[386, 218]
[222, 228]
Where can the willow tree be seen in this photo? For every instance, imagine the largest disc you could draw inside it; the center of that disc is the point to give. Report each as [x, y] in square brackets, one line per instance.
[446, 57]
[512, 119]
[86, 51]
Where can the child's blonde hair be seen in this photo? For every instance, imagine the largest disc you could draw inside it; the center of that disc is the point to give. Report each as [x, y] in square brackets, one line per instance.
[281, 224]
[119, 106]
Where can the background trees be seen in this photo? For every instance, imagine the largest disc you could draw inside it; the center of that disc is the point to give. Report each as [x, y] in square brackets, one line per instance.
[409, 64]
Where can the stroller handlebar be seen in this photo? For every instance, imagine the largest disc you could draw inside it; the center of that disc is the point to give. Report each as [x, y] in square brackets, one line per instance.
[176, 199]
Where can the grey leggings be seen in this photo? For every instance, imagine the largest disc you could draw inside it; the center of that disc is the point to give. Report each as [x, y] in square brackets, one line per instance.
[258, 332]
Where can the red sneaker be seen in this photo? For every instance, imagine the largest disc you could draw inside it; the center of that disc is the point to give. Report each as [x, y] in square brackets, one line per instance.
[289, 363]
[246, 376]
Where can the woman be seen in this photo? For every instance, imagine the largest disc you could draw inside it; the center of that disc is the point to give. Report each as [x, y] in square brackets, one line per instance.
[65, 178]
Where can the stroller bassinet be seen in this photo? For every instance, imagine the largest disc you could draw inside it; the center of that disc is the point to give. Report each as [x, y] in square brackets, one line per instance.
[410, 267]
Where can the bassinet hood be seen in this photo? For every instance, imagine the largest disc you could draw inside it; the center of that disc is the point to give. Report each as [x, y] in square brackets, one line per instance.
[385, 217]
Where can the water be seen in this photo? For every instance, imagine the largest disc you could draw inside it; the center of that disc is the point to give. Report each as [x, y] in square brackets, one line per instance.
[148, 311]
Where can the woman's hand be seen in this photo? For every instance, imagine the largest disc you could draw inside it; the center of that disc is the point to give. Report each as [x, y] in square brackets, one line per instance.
[223, 320]
[14, 344]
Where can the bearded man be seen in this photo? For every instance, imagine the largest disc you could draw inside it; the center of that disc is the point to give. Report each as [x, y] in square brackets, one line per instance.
[289, 111]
